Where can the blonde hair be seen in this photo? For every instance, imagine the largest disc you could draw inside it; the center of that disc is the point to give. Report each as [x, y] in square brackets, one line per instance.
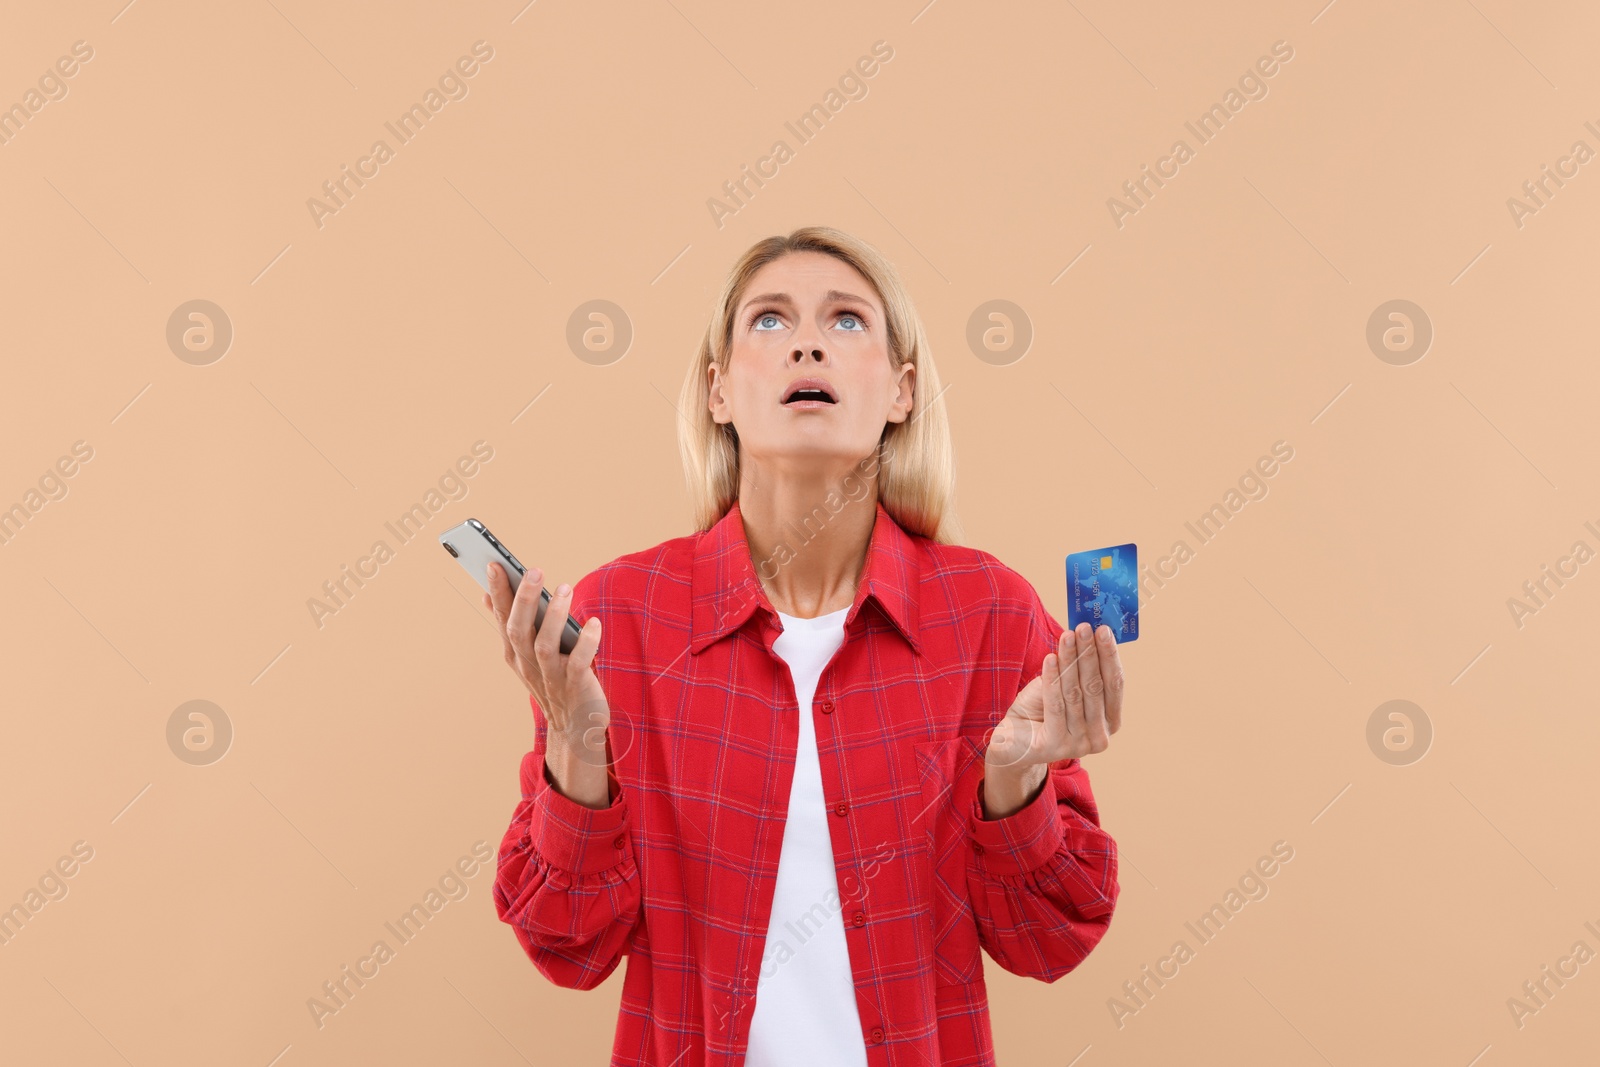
[914, 462]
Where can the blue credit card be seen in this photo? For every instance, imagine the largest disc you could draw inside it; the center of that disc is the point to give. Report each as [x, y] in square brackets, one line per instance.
[1103, 587]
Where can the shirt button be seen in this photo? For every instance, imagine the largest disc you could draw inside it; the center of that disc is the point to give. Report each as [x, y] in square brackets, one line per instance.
[841, 808]
[860, 919]
[827, 707]
[877, 1034]
[978, 849]
[618, 843]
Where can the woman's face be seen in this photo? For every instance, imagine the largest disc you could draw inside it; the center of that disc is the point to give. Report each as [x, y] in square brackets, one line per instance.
[809, 319]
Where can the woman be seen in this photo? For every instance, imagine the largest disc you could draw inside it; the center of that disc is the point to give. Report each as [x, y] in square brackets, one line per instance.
[823, 753]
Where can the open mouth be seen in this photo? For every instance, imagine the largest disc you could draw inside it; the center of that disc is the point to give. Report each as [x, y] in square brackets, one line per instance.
[810, 391]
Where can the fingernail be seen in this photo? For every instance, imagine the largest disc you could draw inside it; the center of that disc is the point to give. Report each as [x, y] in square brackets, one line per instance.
[563, 589]
[536, 574]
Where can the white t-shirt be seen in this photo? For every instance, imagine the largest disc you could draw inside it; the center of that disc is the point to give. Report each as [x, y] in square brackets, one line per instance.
[805, 1013]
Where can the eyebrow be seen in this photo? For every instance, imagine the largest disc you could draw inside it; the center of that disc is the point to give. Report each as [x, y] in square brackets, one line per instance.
[832, 296]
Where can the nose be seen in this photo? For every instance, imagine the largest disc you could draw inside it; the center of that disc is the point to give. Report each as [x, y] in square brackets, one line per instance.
[808, 351]
[810, 344]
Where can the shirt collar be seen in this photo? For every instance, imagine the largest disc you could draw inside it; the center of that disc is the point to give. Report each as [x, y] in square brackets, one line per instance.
[726, 591]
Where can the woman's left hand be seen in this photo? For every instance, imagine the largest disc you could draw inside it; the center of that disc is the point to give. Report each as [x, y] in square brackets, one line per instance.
[1071, 709]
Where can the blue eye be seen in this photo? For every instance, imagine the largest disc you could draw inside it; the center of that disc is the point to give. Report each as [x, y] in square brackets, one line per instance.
[851, 318]
[763, 317]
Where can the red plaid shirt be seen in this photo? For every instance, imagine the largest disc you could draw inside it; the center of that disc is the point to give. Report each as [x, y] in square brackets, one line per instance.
[679, 871]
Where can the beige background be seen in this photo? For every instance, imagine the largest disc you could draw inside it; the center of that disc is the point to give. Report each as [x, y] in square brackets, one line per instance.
[368, 354]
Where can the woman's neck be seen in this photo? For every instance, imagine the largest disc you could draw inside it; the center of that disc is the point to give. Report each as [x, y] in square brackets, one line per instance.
[808, 558]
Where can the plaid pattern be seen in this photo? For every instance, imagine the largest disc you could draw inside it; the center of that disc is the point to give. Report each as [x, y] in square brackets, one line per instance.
[679, 872]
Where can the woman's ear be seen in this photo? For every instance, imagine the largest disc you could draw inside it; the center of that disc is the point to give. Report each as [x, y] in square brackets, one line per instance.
[715, 400]
[905, 393]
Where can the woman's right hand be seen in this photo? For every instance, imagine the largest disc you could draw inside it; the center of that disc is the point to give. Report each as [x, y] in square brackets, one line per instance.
[574, 704]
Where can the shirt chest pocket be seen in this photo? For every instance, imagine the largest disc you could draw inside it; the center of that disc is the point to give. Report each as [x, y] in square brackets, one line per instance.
[947, 771]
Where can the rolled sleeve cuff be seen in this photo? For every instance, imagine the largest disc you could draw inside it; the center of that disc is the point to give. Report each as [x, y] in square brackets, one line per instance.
[1022, 841]
[576, 838]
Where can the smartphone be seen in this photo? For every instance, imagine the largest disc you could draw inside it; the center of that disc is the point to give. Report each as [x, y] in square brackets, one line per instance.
[475, 548]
